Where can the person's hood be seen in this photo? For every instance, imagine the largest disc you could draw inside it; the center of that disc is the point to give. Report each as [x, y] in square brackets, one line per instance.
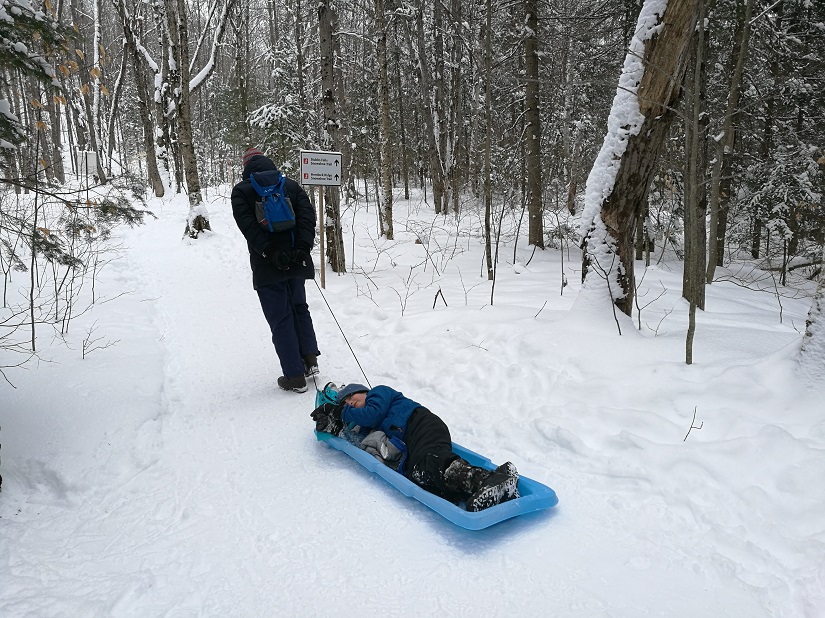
[258, 164]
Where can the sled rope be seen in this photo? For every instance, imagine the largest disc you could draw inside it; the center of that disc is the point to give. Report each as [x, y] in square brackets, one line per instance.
[332, 313]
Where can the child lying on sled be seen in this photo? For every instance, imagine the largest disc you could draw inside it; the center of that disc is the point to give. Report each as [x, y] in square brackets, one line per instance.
[429, 461]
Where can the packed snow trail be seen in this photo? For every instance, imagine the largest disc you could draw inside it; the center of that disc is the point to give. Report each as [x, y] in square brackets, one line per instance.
[168, 476]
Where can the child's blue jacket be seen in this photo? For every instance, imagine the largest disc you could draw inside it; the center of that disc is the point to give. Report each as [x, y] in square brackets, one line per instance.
[385, 409]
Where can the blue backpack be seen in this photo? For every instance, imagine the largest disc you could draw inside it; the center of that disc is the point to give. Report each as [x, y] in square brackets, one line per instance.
[274, 210]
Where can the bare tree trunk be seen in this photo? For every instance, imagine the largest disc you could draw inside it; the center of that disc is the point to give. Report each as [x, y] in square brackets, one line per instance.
[161, 98]
[399, 86]
[721, 179]
[299, 41]
[488, 131]
[611, 213]
[158, 186]
[384, 112]
[533, 129]
[570, 139]
[198, 219]
[57, 147]
[455, 117]
[812, 352]
[693, 278]
[767, 145]
[691, 332]
[113, 109]
[138, 62]
[96, 82]
[84, 118]
[438, 110]
[327, 31]
[241, 59]
[431, 113]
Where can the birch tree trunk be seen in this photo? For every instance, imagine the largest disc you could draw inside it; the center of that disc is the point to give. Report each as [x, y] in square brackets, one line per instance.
[399, 87]
[97, 76]
[162, 94]
[384, 111]
[620, 179]
[84, 118]
[533, 129]
[198, 219]
[431, 112]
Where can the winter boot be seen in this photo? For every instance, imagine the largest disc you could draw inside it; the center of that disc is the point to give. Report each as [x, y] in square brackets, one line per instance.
[297, 384]
[310, 365]
[509, 469]
[500, 486]
[463, 479]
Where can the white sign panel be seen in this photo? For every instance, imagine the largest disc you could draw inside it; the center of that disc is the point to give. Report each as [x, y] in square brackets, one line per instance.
[320, 168]
[87, 163]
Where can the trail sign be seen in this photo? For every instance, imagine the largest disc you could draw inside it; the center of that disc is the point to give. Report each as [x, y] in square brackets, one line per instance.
[320, 168]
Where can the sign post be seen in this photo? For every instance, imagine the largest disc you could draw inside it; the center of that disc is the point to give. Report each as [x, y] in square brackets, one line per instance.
[321, 239]
[322, 169]
[86, 163]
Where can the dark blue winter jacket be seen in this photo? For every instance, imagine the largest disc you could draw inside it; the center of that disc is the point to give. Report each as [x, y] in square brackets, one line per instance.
[385, 409]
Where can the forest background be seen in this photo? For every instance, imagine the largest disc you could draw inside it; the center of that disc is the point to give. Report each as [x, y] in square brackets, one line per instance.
[494, 109]
[535, 129]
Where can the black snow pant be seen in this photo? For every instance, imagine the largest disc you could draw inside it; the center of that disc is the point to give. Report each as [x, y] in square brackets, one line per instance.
[429, 453]
[284, 304]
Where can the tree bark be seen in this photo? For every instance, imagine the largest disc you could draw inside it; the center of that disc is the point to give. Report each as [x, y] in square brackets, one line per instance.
[327, 31]
[533, 129]
[665, 56]
[455, 116]
[812, 352]
[198, 219]
[721, 179]
[439, 107]
[384, 112]
[138, 62]
[693, 277]
[161, 99]
[431, 114]
[402, 146]
[113, 108]
[488, 131]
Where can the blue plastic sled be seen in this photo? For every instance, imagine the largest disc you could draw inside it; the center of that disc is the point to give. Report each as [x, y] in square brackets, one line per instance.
[534, 495]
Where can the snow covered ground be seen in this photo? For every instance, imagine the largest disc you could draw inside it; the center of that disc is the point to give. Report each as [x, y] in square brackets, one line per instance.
[166, 475]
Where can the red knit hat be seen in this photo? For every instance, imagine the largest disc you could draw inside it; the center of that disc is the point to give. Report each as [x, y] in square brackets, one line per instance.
[251, 152]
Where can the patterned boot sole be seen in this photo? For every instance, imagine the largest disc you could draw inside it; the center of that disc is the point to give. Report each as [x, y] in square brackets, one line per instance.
[500, 488]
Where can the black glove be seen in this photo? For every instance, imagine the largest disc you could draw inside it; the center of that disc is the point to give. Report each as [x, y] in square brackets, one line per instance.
[327, 418]
[298, 257]
[281, 260]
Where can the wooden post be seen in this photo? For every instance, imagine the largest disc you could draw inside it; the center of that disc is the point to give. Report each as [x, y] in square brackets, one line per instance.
[321, 225]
